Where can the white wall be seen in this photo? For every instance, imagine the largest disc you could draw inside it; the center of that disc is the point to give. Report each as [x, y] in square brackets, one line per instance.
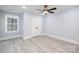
[3, 34]
[63, 24]
[27, 24]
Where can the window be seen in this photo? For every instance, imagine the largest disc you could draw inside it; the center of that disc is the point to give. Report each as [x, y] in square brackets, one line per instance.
[12, 23]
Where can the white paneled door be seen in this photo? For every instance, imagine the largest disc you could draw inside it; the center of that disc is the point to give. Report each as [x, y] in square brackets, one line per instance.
[36, 26]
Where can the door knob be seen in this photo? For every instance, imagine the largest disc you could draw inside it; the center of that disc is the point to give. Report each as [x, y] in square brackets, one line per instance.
[36, 27]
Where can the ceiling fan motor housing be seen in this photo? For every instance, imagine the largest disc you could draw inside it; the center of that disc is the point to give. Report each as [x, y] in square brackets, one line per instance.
[45, 7]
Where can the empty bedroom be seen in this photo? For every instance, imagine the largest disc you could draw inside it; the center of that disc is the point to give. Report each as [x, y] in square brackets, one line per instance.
[39, 28]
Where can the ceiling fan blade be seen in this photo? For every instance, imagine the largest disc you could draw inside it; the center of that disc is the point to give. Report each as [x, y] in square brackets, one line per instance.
[50, 12]
[53, 8]
[39, 10]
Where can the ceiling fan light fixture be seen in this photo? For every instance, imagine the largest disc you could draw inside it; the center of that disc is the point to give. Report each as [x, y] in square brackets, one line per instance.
[45, 12]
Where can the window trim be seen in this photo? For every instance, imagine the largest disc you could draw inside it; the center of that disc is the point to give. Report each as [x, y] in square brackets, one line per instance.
[11, 16]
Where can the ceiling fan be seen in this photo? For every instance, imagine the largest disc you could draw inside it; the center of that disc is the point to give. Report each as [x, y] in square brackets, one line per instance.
[46, 10]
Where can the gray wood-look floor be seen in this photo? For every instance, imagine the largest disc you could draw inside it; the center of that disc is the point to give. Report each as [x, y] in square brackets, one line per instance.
[39, 44]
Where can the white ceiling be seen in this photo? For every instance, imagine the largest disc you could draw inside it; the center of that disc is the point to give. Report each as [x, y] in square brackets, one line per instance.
[32, 8]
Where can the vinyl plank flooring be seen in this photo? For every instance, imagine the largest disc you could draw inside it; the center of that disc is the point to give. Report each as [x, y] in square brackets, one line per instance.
[38, 44]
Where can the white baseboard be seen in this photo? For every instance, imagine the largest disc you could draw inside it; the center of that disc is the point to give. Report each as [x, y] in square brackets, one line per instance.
[42, 34]
[6, 38]
[61, 38]
[53, 36]
[29, 37]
